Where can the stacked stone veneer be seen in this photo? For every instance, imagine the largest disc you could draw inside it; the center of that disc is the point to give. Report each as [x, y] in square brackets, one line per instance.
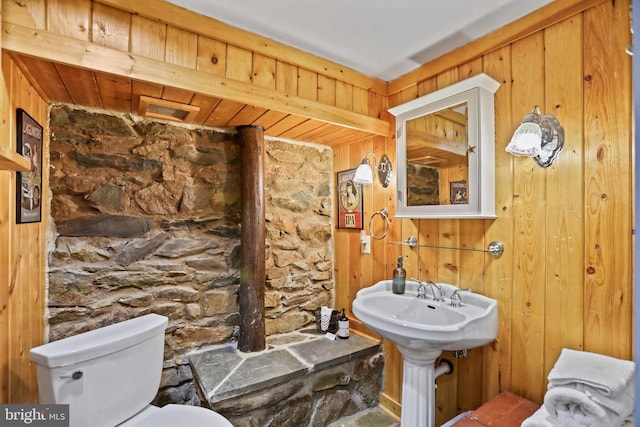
[145, 219]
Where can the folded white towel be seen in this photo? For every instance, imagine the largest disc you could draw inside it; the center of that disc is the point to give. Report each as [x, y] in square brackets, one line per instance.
[540, 418]
[605, 374]
[570, 407]
[621, 403]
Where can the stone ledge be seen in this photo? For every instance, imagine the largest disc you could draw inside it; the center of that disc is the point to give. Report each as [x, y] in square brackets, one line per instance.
[225, 373]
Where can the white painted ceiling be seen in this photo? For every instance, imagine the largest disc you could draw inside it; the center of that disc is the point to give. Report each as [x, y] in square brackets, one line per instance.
[380, 38]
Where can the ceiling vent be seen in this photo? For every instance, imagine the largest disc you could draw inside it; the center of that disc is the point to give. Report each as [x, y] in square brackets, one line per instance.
[428, 160]
[168, 110]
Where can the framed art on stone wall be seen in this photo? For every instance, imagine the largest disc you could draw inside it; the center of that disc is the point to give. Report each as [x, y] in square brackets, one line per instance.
[349, 201]
[29, 184]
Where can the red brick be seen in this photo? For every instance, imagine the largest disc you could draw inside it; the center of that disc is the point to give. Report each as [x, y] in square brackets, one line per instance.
[504, 410]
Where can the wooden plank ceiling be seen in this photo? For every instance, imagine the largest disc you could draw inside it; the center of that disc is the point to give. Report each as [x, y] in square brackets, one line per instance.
[57, 82]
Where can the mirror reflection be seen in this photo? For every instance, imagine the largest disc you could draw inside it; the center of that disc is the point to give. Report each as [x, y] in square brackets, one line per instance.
[437, 168]
[445, 149]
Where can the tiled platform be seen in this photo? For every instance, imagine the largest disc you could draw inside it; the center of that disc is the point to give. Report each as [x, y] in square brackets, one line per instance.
[224, 373]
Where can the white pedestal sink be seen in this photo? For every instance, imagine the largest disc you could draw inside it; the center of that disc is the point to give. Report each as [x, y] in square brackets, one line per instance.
[422, 329]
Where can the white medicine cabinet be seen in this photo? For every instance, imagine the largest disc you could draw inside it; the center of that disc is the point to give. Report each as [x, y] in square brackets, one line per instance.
[446, 152]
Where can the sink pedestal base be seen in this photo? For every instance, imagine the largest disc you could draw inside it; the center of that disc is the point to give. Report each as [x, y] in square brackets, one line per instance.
[418, 388]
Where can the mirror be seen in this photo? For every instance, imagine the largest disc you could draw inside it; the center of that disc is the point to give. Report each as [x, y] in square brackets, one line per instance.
[445, 152]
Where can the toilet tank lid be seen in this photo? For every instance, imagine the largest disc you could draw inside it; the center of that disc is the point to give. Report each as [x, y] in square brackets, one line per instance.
[99, 342]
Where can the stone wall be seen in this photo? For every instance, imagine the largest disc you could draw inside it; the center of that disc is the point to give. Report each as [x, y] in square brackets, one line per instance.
[423, 185]
[146, 218]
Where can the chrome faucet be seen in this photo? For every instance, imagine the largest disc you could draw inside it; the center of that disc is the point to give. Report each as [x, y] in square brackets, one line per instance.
[428, 284]
[433, 286]
[455, 299]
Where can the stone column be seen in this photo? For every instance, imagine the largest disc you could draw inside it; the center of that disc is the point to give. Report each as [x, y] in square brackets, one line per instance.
[252, 274]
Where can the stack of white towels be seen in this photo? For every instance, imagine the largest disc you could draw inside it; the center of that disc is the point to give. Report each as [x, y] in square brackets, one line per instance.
[587, 389]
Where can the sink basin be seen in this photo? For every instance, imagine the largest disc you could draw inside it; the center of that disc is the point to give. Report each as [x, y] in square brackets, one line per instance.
[422, 328]
[416, 323]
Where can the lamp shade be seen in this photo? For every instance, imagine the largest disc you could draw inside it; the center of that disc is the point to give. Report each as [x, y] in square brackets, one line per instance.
[540, 137]
[527, 139]
[364, 175]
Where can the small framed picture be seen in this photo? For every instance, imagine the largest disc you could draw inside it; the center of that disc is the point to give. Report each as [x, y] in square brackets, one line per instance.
[29, 184]
[349, 201]
[458, 192]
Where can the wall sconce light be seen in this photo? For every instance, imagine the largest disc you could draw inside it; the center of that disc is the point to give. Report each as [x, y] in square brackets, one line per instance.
[364, 175]
[540, 137]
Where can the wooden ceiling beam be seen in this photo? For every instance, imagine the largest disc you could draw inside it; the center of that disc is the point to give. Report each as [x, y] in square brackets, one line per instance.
[177, 16]
[79, 53]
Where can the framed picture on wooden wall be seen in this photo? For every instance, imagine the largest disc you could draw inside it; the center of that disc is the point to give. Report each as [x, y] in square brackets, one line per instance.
[29, 184]
[349, 201]
[458, 192]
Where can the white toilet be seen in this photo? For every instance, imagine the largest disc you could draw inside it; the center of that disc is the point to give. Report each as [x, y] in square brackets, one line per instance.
[110, 375]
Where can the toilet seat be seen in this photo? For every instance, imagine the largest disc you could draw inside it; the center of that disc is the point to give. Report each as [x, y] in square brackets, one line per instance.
[178, 416]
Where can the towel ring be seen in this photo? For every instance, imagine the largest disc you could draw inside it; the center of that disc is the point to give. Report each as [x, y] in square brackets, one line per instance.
[385, 215]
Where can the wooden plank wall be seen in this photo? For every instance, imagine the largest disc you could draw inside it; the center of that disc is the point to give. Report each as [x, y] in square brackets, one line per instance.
[565, 279]
[22, 253]
[566, 276]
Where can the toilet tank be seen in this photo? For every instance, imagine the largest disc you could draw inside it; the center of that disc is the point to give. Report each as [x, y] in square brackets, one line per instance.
[106, 375]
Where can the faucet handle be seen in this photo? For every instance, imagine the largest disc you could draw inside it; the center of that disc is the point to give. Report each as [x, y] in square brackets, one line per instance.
[421, 292]
[455, 300]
